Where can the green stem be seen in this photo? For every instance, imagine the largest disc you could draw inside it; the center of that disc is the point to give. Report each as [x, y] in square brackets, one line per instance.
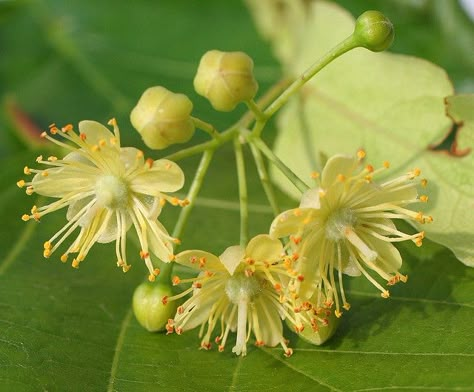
[295, 180]
[166, 269]
[206, 127]
[348, 44]
[241, 177]
[265, 179]
[193, 192]
[224, 137]
[256, 110]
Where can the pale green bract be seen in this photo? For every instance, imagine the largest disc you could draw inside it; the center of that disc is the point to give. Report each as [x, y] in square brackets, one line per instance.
[391, 105]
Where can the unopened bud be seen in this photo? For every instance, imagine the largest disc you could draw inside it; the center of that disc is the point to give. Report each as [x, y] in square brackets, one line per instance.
[148, 306]
[225, 79]
[374, 31]
[163, 118]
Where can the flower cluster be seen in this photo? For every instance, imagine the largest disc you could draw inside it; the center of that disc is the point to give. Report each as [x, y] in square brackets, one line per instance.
[293, 274]
[344, 226]
[106, 189]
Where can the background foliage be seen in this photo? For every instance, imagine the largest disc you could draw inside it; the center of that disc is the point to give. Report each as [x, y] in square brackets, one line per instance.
[68, 330]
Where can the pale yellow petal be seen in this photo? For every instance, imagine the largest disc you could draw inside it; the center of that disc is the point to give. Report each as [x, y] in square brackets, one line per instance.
[335, 166]
[163, 176]
[94, 131]
[293, 221]
[232, 257]
[310, 199]
[264, 248]
[269, 321]
[389, 258]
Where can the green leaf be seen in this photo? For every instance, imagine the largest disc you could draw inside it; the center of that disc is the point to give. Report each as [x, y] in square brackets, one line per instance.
[72, 330]
[391, 105]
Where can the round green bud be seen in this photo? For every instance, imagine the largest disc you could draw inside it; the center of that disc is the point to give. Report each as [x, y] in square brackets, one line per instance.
[150, 310]
[163, 118]
[225, 79]
[374, 31]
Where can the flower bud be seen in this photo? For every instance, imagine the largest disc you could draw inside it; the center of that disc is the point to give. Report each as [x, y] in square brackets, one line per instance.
[225, 79]
[163, 118]
[374, 31]
[148, 306]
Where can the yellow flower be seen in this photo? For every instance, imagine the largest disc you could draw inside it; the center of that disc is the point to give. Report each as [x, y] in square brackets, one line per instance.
[240, 291]
[346, 224]
[106, 189]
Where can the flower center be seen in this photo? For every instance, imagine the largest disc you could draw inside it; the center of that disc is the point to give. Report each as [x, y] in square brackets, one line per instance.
[111, 192]
[337, 222]
[240, 287]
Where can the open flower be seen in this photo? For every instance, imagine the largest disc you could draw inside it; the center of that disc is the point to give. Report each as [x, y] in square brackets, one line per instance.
[346, 225]
[241, 291]
[106, 190]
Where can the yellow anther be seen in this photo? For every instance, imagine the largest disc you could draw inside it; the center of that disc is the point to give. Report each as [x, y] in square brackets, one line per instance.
[144, 254]
[39, 158]
[369, 168]
[346, 306]
[385, 294]
[297, 212]
[64, 257]
[26, 170]
[162, 202]
[112, 122]
[151, 277]
[113, 141]
[102, 142]
[184, 203]
[321, 193]
[149, 162]
[53, 130]
[423, 198]
[424, 182]
[419, 217]
[67, 128]
[46, 253]
[95, 148]
[29, 190]
[314, 175]
[140, 154]
[25, 217]
[174, 201]
[341, 177]
[361, 154]
[34, 210]
[52, 158]
[386, 164]
[176, 280]
[416, 172]
[75, 263]
[47, 245]
[44, 173]
[177, 241]
[43, 135]
[171, 257]
[338, 313]
[126, 268]
[156, 271]
[20, 184]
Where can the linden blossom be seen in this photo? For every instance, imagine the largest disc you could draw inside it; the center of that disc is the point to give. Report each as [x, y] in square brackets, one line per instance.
[346, 224]
[243, 291]
[107, 189]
